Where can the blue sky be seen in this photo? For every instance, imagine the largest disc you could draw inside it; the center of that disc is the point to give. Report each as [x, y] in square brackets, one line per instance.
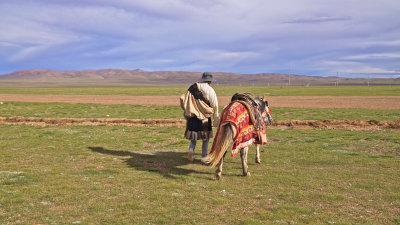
[310, 37]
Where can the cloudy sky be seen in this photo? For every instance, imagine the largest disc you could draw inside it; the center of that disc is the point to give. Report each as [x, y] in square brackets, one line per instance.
[310, 37]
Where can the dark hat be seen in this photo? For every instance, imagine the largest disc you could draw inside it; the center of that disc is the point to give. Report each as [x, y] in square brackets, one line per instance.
[207, 76]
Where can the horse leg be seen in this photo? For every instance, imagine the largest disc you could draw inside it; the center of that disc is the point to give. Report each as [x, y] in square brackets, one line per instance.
[258, 160]
[243, 155]
[218, 172]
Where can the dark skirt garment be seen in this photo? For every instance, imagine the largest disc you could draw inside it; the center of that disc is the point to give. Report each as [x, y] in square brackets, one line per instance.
[197, 130]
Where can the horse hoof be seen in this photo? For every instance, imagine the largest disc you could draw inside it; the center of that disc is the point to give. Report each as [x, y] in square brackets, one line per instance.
[247, 174]
[218, 176]
[258, 161]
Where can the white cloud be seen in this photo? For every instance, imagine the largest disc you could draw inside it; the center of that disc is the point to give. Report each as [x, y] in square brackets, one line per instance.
[8, 44]
[373, 56]
[320, 19]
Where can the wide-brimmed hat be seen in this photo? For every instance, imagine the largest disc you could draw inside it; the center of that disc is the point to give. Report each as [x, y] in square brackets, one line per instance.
[207, 76]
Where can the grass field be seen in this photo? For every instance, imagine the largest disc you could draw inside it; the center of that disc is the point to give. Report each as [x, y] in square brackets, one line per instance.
[141, 175]
[124, 175]
[66, 110]
[221, 90]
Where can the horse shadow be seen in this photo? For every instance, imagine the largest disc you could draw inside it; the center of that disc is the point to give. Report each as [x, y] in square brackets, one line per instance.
[167, 164]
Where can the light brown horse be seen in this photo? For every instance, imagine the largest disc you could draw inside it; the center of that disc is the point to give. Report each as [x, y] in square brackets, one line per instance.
[238, 131]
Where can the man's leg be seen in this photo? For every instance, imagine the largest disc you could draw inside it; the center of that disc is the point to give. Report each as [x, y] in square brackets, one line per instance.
[204, 148]
[192, 146]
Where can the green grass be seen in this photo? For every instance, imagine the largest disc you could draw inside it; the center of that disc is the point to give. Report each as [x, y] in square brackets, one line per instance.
[220, 90]
[67, 110]
[130, 175]
[341, 114]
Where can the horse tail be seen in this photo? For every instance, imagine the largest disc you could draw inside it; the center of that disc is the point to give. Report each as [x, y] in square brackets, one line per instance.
[222, 142]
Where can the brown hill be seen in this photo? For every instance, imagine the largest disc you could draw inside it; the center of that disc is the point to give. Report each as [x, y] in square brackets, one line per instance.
[38, 77]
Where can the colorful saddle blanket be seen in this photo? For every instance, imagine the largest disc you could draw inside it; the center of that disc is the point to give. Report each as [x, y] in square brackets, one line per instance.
[245, 135]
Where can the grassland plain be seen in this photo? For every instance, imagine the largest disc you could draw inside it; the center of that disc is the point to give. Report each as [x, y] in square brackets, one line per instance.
[220, 90]
[128, 175]
[131, 175]
[68, 110]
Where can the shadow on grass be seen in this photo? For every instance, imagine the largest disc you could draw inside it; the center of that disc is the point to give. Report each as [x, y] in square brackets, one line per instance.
[165, 163]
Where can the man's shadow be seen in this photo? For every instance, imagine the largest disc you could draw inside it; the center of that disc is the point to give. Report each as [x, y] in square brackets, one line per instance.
[165, 163]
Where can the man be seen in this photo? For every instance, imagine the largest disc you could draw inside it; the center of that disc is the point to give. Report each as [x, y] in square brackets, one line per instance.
[199, 104]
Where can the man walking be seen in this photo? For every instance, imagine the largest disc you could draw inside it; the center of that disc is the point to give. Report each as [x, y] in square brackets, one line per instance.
[199, 104]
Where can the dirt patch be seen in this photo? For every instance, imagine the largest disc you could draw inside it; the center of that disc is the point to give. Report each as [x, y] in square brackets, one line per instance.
[338, 124]
[89, 121]
[368, 102]
[292, 124]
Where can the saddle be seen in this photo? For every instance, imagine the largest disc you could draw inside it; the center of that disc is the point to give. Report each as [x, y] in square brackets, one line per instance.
[255, 109]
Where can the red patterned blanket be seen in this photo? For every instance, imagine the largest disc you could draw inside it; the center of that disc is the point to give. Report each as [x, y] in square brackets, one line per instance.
[244, 134]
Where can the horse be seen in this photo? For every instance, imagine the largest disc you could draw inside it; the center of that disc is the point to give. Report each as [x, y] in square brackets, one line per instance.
[243, 123]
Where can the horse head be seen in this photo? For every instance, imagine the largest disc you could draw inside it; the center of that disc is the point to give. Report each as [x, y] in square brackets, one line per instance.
[265, 111]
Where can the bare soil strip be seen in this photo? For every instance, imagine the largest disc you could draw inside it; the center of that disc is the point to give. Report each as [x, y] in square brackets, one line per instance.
[292, 124]
[368, 102]
[90, 121]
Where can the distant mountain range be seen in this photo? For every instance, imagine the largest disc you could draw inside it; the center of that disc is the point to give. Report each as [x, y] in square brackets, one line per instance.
[140, 77]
